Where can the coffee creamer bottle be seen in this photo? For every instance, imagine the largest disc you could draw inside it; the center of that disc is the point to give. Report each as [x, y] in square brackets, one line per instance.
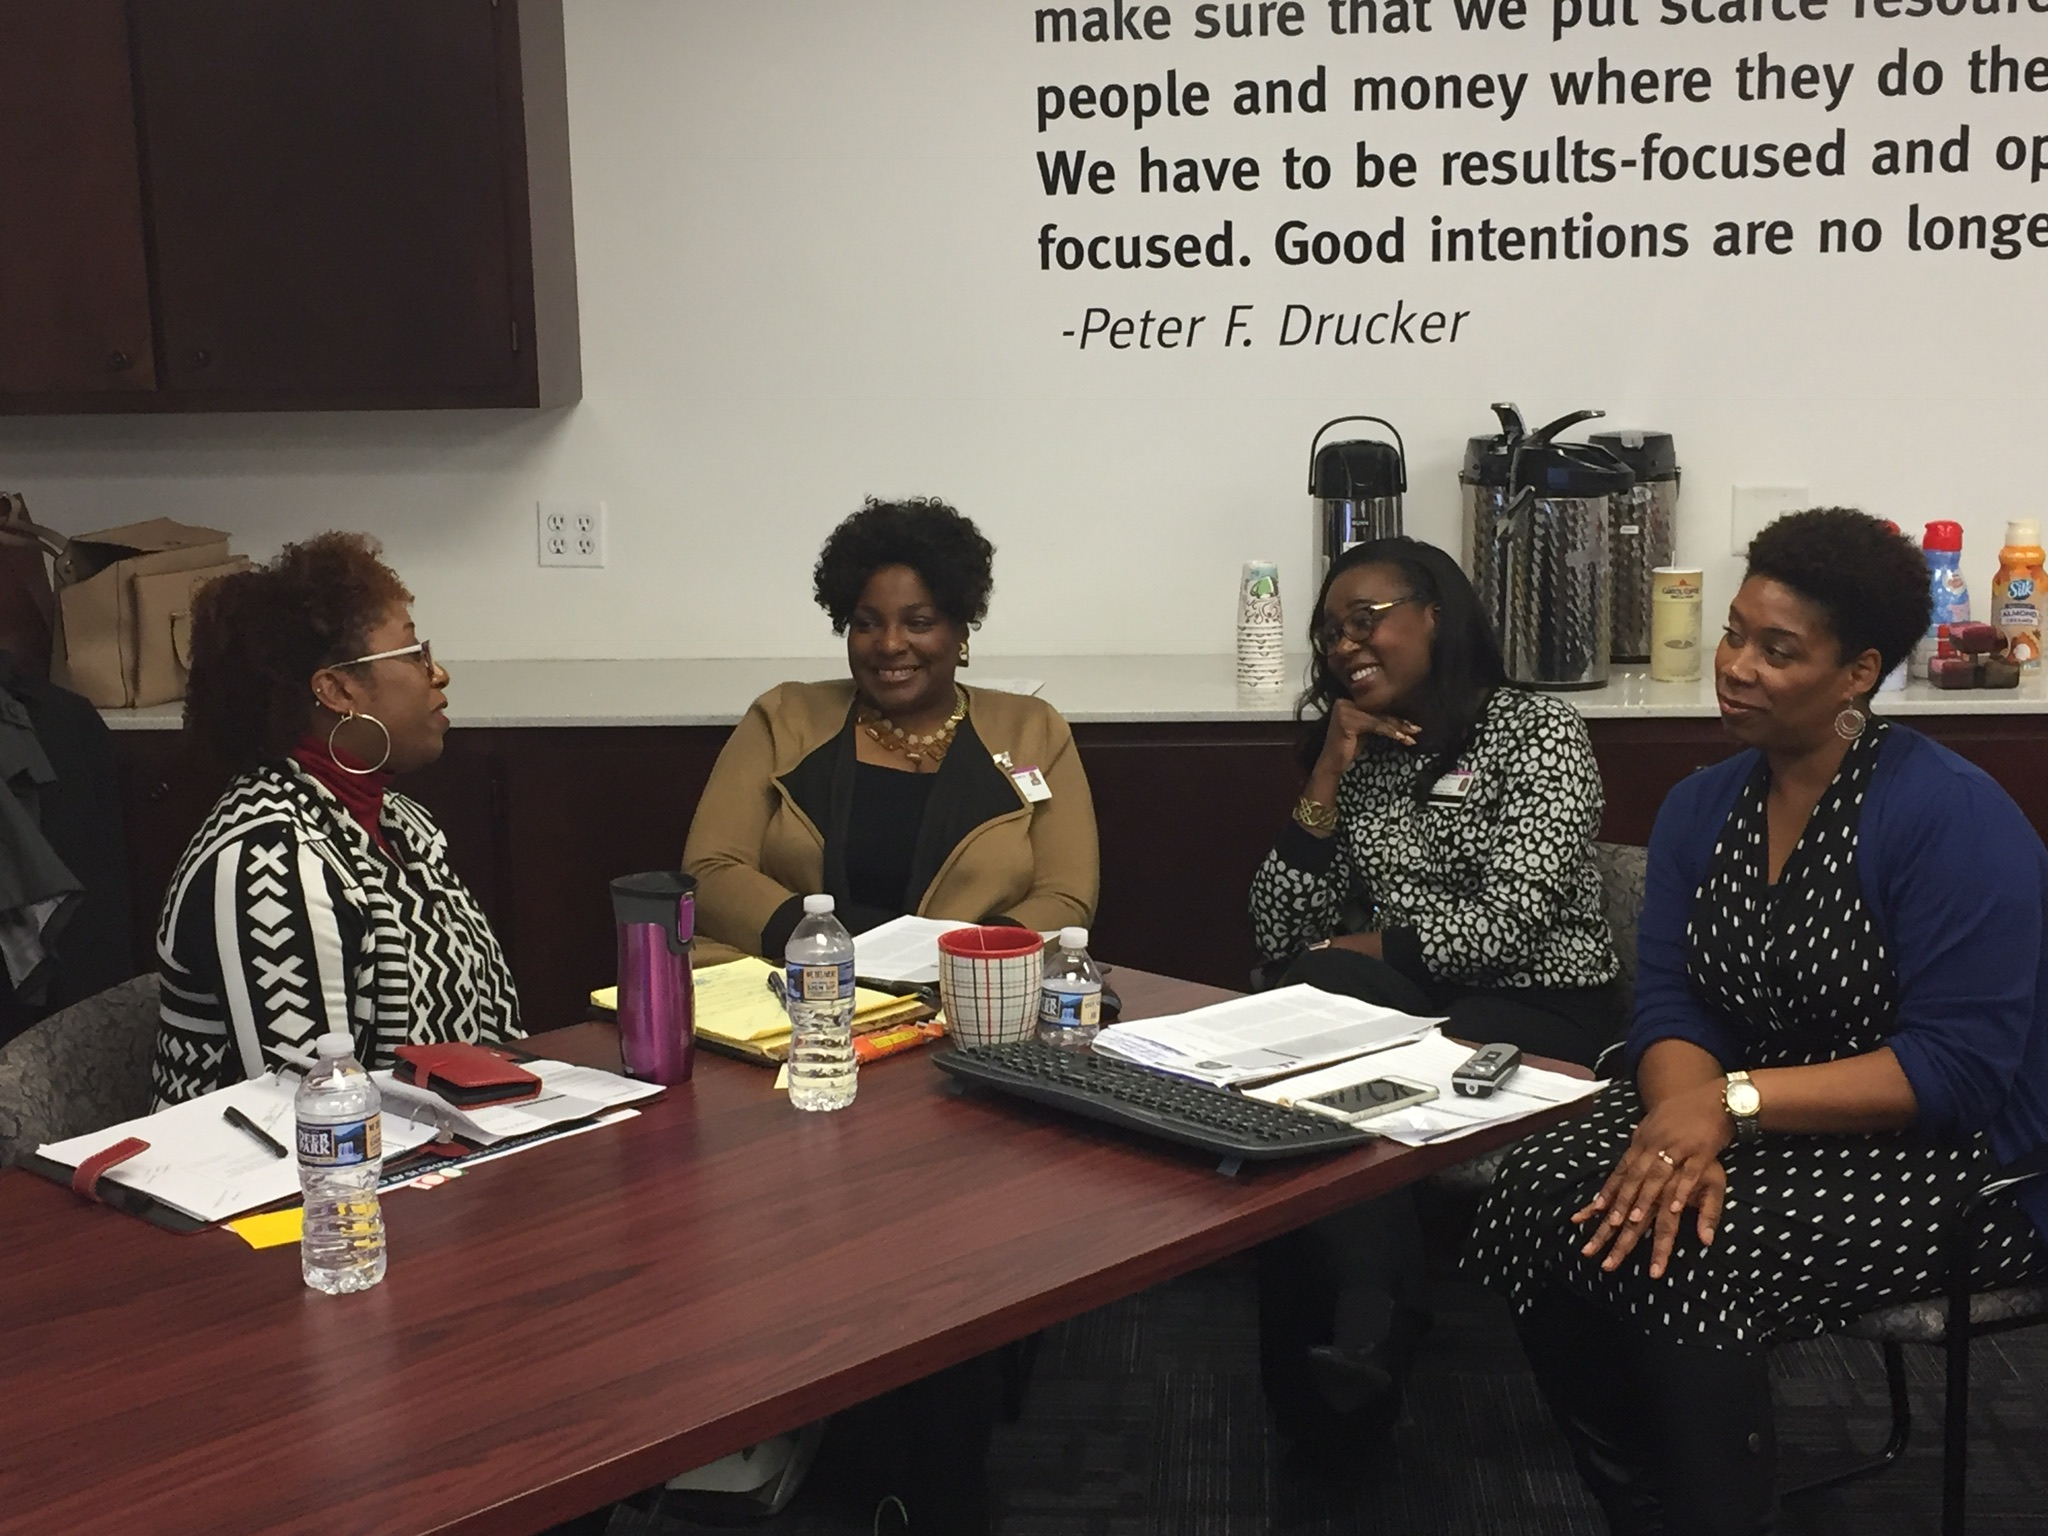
[2016, 595]
[1943, 549]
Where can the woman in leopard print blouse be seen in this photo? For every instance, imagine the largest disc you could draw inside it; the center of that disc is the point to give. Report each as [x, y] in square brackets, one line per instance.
[1440, 862]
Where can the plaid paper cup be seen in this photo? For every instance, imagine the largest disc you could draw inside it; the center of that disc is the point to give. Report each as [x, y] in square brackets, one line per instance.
[989, 980]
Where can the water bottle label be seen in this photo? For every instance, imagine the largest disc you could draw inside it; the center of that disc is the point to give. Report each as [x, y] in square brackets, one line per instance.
[346, 1145]
[1070, 1010]
[821, 983]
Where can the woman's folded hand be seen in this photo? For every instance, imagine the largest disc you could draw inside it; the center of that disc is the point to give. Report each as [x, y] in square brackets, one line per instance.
[1673, 1163]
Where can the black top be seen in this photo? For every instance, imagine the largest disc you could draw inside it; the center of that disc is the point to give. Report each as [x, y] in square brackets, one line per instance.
[881, 835]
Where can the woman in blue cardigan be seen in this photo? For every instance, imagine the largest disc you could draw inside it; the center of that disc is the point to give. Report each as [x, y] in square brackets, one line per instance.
[1841, 1029]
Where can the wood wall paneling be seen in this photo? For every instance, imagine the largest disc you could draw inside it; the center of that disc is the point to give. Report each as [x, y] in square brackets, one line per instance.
[539, 822]
[582, 807]
[74, 280]
[1185, 814]
[1639, 762]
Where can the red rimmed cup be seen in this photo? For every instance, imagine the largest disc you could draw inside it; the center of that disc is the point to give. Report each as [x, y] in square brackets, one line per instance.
[989, 980]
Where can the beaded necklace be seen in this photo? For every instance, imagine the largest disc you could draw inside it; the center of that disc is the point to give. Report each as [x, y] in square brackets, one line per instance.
[931, 746]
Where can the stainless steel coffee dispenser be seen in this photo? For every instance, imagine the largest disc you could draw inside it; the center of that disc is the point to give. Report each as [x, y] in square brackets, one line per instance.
[1541, 554]
[1483, 494]
[1644, 533]
[1357, 485]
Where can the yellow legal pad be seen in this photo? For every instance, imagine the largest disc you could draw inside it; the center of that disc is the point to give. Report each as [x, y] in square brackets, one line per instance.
[735, 1007]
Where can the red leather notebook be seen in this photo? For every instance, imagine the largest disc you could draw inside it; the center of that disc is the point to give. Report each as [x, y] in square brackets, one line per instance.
[465, 1074]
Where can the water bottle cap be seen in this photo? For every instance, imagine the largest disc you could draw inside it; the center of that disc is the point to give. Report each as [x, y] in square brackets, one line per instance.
[1943, 535]
[336, 1044]
[813, 905]
[1073, 938]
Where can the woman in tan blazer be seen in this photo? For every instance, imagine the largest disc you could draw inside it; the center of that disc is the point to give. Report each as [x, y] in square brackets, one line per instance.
[897, 790]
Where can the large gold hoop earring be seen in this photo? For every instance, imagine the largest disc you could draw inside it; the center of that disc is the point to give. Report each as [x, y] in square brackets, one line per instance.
[1850, 722]
[344, 767]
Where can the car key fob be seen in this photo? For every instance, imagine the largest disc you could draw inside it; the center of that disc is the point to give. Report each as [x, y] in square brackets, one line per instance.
[1487, 1068]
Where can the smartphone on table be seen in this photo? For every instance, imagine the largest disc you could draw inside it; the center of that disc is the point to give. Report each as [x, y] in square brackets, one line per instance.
[1357, 1102]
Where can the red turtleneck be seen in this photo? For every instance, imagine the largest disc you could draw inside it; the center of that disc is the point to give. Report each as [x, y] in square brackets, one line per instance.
[361, 794]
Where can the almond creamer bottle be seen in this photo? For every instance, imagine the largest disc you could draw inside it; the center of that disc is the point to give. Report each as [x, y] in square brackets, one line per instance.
[2016, 595]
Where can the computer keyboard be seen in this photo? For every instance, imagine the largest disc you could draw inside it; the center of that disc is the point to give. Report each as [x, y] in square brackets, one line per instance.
[1220, 1122]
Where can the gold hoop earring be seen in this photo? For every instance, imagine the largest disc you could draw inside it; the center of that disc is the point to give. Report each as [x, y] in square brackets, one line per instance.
[1850, 722]
[963, 653]
[378, 767]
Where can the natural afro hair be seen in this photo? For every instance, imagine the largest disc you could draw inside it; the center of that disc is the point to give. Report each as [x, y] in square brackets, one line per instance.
[945, 549]
[258, 636]
[1867, 578]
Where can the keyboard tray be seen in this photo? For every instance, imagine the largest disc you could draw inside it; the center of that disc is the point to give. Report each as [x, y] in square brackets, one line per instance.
[1216, 1120]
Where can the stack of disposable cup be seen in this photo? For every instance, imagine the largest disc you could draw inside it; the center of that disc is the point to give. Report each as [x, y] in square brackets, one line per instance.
[1261, 633]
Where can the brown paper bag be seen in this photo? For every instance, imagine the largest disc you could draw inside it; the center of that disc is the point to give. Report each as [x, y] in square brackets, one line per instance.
[125, 603]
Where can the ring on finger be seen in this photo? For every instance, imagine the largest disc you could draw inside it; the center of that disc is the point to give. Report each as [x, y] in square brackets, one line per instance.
[1669, 1160]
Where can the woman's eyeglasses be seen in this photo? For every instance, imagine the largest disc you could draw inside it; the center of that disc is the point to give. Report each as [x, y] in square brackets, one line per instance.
[422, 649]
[1358, 624]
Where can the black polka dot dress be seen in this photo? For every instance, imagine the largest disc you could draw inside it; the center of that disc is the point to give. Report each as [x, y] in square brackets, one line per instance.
[1817, 1229]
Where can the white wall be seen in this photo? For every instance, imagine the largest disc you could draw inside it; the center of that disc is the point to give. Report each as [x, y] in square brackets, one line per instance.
[808, 262]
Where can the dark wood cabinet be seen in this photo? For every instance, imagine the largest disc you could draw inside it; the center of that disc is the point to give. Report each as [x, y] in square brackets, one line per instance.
[74, 277]
[326, 204]
[540, 820]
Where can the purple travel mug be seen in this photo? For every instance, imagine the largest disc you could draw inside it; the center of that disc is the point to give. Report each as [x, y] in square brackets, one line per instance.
[656, 916]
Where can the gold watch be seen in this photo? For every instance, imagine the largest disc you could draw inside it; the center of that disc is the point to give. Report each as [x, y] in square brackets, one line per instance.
[1314, 815]
[1744, 1105]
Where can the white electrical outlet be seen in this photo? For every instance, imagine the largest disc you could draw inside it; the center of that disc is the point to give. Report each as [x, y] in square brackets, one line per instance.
[1758, 506]
[571, 533]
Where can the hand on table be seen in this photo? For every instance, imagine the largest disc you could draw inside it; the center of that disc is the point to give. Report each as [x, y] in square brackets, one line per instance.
[1673, 1162]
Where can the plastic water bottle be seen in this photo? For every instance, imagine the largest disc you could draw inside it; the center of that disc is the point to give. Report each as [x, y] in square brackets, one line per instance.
[1070, 1002]
[818, 985]
[341, 1153]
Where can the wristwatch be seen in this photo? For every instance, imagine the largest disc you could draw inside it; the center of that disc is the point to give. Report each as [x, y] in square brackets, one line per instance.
[1744, 1105]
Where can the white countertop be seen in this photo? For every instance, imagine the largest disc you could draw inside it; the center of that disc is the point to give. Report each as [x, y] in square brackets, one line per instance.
[1116, 690]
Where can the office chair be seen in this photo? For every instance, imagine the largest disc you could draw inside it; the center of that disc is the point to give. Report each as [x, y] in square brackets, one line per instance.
[1623, 872]
[1951, 1321]
[82, 1068]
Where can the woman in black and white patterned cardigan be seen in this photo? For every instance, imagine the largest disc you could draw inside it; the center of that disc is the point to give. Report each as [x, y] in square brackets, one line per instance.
[1440, 861]
[311, 901]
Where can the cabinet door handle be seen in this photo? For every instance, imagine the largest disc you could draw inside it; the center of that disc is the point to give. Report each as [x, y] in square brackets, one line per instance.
[120, 362]
[160, 791]
[201, 358]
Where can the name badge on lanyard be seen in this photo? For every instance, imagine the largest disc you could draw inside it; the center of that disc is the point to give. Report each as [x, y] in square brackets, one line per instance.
[1452, 788]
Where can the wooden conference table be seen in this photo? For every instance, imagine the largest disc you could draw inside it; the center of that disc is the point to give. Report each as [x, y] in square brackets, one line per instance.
[563, 1327]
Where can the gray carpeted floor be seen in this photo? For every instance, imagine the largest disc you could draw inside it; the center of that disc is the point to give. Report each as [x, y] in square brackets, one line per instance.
[1145, 1419]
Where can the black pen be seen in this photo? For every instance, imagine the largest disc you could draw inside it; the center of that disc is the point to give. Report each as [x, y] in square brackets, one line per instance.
[242, 1122]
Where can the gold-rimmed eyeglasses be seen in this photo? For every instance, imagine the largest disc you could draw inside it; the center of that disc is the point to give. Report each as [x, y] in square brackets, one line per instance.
[1358, 624]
